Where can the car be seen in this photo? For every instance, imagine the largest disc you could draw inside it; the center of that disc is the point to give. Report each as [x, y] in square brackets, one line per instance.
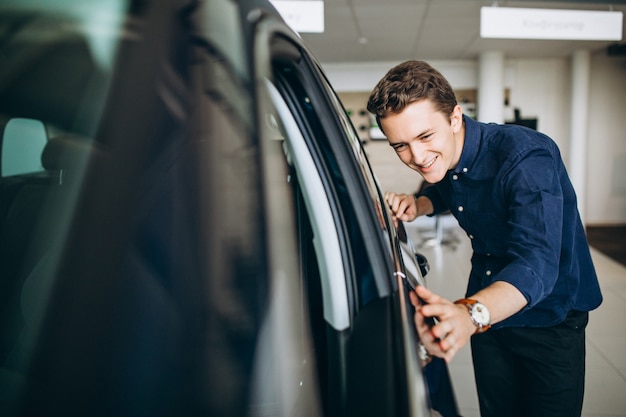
[190, 224]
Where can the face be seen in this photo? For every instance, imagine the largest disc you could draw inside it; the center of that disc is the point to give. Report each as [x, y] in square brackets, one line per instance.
[425, 139]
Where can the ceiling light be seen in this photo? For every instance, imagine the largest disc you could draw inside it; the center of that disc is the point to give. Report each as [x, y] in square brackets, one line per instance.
[302, 16]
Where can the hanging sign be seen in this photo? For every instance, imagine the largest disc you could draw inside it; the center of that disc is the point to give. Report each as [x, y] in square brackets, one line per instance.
[523, 23]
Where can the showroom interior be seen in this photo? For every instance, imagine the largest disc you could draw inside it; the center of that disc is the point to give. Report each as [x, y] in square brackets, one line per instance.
[562, 82]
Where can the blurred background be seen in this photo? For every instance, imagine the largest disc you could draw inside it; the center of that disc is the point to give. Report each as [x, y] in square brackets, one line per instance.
[572, 90]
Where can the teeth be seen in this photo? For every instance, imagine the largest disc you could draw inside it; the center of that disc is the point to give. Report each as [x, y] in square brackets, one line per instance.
[427, 165]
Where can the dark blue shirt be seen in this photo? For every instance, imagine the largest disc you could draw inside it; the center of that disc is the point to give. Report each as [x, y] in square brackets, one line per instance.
[511, 193]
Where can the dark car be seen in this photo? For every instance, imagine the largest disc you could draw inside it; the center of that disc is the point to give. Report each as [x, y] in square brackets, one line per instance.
[190, 225]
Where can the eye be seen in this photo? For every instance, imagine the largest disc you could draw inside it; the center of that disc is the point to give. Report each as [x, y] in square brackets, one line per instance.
[399, 147]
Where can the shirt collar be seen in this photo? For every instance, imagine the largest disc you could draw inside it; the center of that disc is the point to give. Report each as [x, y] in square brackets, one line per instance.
[471, 144]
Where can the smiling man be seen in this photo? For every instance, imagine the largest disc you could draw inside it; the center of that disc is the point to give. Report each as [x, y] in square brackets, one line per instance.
[532, 281]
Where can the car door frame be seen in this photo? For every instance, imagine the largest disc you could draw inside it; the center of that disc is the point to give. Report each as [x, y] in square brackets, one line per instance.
[389, 282]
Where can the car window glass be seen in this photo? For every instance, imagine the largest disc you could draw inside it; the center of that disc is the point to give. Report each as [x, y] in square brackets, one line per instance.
[162, 253]
[222, 25]
[54, 86]
[359, 154]
[22, 145]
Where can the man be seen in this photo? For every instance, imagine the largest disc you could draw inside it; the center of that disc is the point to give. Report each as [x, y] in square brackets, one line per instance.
[532, 281]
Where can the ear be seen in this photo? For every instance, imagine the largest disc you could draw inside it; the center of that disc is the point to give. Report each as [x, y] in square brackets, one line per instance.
[456, 118]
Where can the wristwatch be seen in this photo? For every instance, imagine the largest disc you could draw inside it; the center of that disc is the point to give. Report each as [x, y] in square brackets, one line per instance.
[478, 313]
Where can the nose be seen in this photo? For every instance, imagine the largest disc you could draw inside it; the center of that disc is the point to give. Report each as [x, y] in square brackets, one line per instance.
[417, 153]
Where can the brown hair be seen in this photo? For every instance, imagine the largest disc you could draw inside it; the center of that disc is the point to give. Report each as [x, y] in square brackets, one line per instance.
[407, 83]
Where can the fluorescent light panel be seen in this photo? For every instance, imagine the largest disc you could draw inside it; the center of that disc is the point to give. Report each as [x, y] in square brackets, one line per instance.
[302, 15]
[523, 23]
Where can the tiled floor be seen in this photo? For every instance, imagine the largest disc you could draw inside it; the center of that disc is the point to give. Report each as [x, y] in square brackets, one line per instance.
[605, 394]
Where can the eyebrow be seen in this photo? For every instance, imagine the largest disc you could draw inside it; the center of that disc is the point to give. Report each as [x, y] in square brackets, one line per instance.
[424, 132]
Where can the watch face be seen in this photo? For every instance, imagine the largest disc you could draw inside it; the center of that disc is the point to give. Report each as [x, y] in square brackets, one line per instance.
[481, 314]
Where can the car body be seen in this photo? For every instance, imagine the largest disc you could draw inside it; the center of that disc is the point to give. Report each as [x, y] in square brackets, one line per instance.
[190, 225]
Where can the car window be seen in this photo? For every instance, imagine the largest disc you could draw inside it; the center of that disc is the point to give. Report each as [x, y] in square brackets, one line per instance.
[134, 268]
[22, 146]
[55, 69]
[371, 181]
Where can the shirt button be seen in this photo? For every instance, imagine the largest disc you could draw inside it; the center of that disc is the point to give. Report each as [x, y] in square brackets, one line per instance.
[455, 177]
[460, 208]
[488, 272]
[471, 236]
[488, 254]
[464, 169]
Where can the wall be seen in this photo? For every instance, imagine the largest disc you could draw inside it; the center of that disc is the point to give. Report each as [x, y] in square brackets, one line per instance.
[539, 88]
[606, 164]
[355, 104]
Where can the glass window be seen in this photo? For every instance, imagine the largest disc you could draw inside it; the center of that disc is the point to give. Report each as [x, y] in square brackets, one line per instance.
[357, 148]
[56, 63]
[22, 146]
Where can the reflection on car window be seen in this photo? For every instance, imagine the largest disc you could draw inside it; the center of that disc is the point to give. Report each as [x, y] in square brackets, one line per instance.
[355, 144]
[56, 67]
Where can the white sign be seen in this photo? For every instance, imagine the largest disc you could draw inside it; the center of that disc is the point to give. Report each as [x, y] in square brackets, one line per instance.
[520, 23]
[302, 15]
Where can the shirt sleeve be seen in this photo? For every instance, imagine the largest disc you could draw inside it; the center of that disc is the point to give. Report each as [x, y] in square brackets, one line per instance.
[534, 195]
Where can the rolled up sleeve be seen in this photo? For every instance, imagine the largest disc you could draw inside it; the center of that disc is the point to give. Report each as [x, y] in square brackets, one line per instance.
[532, 189]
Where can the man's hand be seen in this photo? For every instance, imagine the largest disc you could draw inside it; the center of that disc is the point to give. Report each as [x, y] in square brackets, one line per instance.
[453, 329]
[403, 207]
[454, 325]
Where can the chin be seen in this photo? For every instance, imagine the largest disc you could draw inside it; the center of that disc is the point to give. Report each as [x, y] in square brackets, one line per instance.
[432, 178]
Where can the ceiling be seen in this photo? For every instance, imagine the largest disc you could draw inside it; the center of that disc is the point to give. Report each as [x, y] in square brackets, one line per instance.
[397, 30]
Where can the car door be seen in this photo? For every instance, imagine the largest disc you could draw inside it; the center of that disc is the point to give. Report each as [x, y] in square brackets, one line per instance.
[364, 341]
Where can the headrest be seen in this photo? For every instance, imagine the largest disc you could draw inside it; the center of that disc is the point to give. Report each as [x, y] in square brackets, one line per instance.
[66, 152]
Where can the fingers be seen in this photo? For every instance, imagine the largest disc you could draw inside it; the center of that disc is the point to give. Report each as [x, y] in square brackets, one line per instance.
[452, 330]
[445, 346]
[401, 205]
[426, 337]
[450, 346]
[427, 295]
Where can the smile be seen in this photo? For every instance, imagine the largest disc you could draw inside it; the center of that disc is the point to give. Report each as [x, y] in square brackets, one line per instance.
[429, 163]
